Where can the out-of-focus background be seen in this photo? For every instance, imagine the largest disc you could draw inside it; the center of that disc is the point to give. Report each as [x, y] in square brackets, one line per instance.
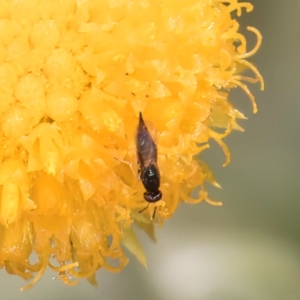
[249, 249]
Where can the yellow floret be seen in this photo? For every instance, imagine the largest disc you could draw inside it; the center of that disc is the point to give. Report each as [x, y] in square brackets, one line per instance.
[74, 76]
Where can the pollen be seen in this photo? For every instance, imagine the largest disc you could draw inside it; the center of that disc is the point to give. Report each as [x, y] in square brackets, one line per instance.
[74, 77]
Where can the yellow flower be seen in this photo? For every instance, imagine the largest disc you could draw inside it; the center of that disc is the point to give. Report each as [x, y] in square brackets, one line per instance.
[74, 76]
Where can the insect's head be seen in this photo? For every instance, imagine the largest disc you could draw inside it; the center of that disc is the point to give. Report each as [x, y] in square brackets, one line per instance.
[152, 197]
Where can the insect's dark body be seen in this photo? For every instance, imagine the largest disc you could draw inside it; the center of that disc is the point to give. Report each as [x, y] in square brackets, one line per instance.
[147, 158]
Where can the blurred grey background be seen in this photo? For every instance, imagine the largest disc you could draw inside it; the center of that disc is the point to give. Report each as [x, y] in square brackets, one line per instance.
[249, 249]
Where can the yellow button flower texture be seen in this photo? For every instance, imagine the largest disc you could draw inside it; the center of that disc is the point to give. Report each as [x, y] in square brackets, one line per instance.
[74, 76]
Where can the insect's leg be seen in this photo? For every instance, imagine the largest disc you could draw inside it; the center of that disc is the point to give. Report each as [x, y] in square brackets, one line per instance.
[139, 174]
[125, 162]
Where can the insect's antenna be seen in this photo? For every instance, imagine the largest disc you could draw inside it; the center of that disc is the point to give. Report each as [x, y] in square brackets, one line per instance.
[144, 209]
[154, 212]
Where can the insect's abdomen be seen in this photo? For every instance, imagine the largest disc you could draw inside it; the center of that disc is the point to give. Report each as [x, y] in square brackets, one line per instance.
[146, 148]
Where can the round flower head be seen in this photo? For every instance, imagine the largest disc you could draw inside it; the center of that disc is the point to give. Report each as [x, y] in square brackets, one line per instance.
[75, 76]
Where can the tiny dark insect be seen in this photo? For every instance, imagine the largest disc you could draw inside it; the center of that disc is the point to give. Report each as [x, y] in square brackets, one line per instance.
[147, 161]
